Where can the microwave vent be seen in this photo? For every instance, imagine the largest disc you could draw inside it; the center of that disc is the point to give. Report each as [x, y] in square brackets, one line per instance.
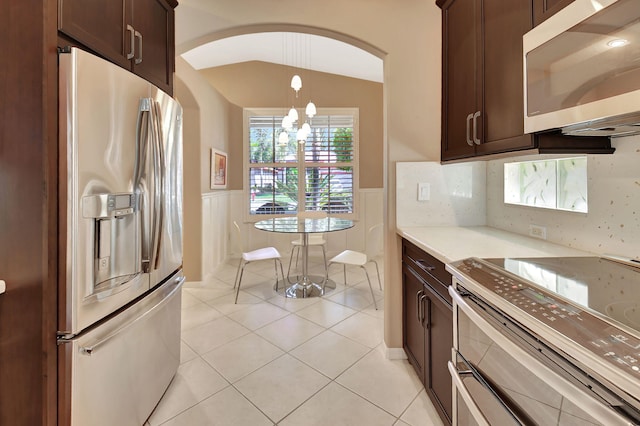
[622, 125]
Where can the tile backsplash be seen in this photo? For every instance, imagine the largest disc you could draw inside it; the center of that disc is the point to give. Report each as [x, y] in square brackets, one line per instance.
[457, 194]
[612, 224]
[471, 194]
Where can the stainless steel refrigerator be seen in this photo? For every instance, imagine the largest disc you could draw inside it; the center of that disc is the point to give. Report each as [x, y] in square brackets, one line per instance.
[121, 241]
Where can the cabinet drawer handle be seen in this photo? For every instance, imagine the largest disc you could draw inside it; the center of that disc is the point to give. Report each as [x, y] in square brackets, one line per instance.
[476, 140]
[139, 56]
[425, 266]
[132, 38]
[469, 141]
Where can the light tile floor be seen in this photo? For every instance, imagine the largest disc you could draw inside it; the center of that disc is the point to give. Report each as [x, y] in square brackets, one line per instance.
[270, 360]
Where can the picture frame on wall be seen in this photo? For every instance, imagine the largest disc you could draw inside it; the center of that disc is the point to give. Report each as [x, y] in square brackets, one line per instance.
[218, 169]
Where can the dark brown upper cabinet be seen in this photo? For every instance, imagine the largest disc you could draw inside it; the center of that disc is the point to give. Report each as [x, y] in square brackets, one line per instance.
[482, 86]
[543, 9]
[135, 34]
[482, 71]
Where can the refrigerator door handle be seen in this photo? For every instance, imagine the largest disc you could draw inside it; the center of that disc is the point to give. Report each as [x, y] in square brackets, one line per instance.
[158, 178]
[142, 142]
[90, 349]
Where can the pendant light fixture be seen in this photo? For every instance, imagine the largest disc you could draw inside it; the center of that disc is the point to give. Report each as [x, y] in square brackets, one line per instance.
[296, 83]
[293, 115]
[310, 110]
[290, 121]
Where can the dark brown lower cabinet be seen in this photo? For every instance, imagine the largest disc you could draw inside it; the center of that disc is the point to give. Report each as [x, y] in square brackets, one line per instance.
[428, 325]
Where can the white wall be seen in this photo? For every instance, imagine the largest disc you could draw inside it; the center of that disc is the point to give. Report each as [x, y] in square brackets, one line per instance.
[612, 224]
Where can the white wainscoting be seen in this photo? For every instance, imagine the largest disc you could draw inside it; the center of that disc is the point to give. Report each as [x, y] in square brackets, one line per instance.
[219, 243]
[215, 230]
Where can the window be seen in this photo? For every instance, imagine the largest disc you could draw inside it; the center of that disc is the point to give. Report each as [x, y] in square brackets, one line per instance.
[288, 178]
[559, 184]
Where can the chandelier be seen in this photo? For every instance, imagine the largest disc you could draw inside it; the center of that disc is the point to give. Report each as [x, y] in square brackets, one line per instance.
[292, 123]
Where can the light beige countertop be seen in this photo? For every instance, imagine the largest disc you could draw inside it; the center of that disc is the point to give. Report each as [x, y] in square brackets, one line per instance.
[450, 243]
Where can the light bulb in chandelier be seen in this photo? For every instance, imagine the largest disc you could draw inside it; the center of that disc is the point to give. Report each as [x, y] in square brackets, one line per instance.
[283, 139]
[287, 123]
[310, 110]
[306, 128]
[293, 115]
[301, 135]
[296, 83]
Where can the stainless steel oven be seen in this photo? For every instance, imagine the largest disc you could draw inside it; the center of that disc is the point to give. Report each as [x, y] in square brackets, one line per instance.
[527, 354]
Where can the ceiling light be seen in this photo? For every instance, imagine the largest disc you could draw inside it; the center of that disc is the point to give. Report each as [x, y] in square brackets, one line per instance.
[301, 135]
[283, 138]
[617, 42]
[293, 115]
[296, 83]
[310, 110]
[287, 123]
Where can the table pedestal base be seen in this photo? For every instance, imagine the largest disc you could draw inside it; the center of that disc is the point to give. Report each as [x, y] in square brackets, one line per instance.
[310, 286]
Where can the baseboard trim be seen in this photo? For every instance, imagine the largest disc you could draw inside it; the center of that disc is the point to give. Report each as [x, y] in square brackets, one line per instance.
[394, 353]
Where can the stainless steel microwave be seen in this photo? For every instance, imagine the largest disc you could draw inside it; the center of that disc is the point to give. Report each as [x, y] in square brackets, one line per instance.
[582, 70]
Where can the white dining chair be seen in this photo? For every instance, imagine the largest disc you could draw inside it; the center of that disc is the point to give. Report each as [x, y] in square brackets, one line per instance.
[356, 258]
[313, 240]
[266, 253]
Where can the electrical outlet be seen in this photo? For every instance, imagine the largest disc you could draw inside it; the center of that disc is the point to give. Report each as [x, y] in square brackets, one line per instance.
[538, 231]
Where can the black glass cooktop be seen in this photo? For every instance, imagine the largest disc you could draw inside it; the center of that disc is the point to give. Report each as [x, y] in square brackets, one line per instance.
[599, 284]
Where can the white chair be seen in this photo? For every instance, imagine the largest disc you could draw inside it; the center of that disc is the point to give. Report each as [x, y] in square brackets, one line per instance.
[266, 253]
[356, 258]
[313, 240]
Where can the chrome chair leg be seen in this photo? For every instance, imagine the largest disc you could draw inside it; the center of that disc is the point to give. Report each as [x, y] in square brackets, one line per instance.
[326, 277]
[239, 281]
[235, 281]
[326, 272]
[278, 261]
[378, 271]
[291, 261]
[370, 287]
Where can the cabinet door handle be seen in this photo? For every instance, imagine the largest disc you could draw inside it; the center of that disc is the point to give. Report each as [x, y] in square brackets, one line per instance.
[132, 39]
[469, 141]
[139, 57]
[418, 306]
[476, 140]
[428, 316]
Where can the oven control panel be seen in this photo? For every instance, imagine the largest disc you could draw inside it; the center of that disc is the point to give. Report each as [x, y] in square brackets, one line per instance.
[600, 337]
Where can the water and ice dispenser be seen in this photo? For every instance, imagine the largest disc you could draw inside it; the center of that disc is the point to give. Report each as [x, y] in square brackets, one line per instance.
[117, 255]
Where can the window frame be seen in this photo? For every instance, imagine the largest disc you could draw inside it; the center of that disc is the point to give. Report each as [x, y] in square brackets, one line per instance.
[301, 164]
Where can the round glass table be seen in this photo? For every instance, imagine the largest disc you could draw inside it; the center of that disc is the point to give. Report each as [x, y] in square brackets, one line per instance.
[306, 285]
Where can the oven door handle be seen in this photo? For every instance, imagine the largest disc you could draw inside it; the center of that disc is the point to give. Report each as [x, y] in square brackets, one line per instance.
[462, 390]
[468, 399]
[530, 360]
